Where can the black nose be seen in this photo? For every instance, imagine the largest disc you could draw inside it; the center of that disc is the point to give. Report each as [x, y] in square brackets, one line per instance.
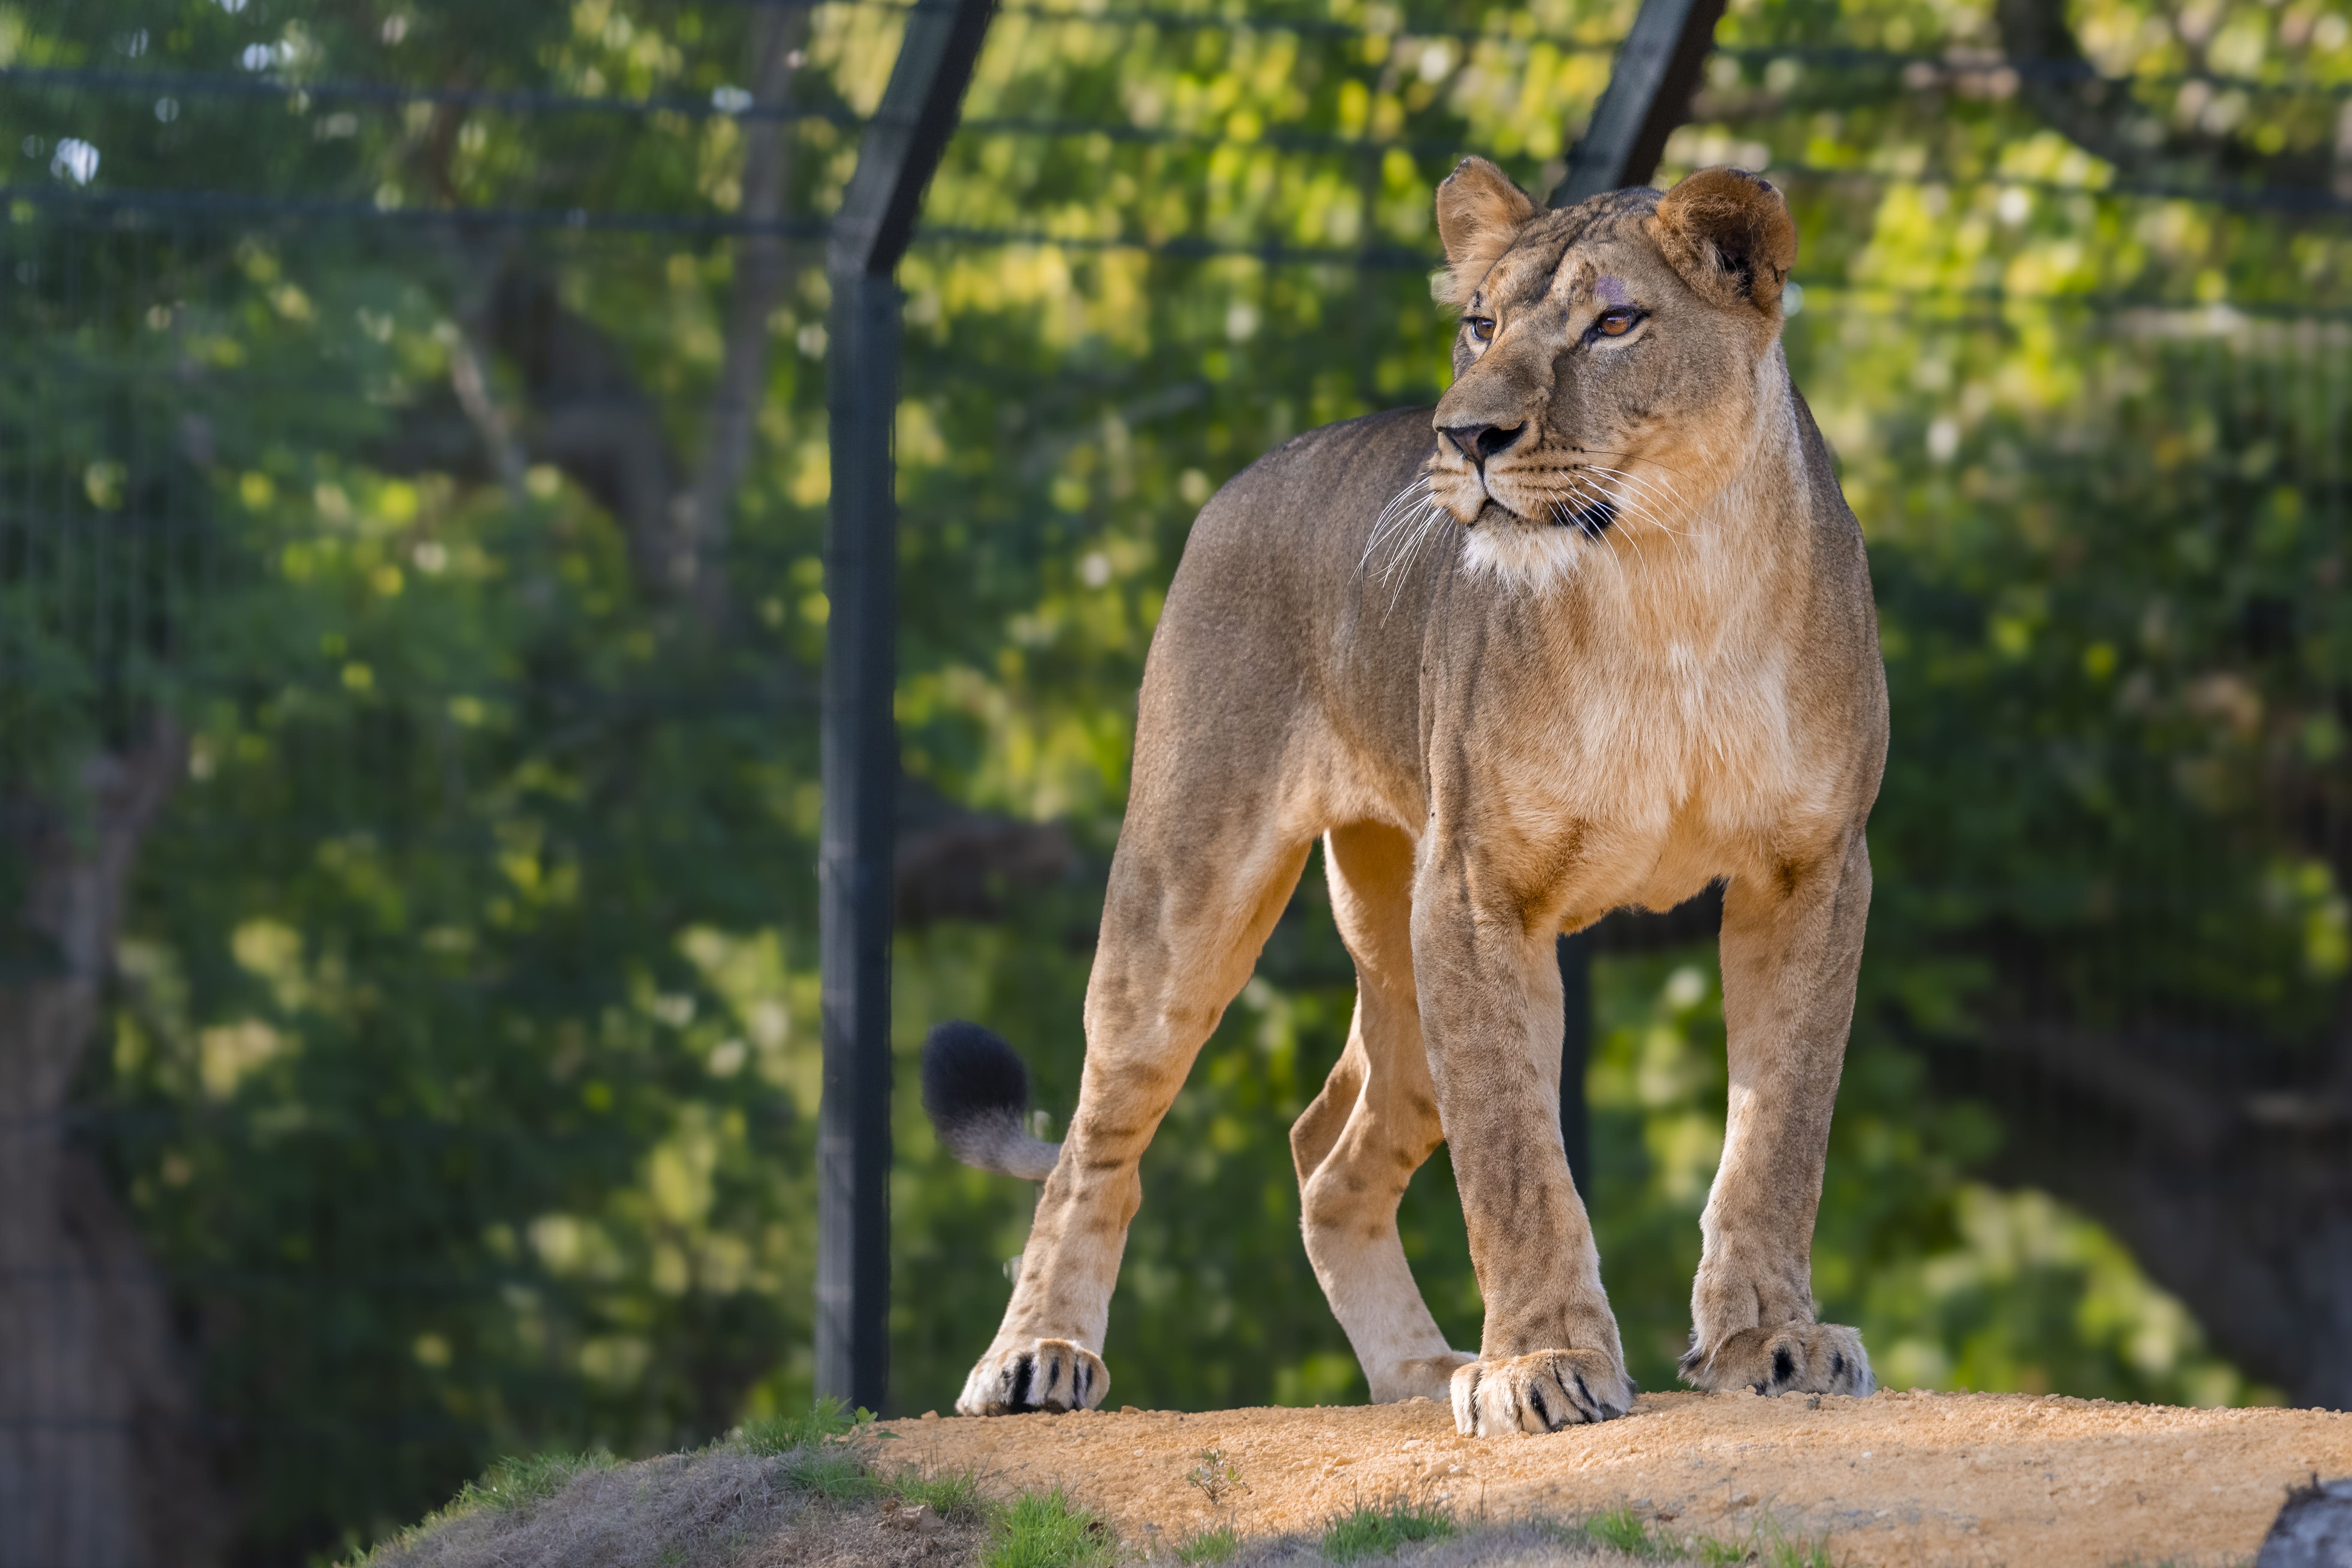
[1480, 442]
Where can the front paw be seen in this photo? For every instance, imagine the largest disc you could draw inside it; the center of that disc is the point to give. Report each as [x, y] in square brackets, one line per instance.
[1035, 1374]
[1538, 1393]
[1798, 1358]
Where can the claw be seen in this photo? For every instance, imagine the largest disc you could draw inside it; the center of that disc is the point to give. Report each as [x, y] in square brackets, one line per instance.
[1042, 1374]
[1539, 1393]
[1801, 1358]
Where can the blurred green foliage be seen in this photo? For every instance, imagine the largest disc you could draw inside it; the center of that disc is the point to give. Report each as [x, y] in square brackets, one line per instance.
[464, 1065]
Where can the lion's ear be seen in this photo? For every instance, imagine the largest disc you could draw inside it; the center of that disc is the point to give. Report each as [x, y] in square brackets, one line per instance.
[1728, 233]
[1479, 212]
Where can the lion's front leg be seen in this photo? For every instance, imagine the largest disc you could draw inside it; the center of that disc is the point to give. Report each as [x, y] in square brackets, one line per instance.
[1791, 949]
[1490, 1008]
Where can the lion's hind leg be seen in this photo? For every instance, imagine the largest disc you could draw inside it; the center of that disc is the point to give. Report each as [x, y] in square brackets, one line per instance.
[1374, 1124]
[1183, 923]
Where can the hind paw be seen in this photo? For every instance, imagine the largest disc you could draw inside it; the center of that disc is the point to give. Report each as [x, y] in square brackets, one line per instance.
[1538, 1393]
[1794, 1358]
[1422, 1377]
[1035, 1374]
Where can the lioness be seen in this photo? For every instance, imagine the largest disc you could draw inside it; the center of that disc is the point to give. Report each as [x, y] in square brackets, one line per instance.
[1598, 633]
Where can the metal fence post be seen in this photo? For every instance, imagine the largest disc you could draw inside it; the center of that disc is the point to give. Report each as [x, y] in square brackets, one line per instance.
[1649, 94]
[901, 148]
[860, 777]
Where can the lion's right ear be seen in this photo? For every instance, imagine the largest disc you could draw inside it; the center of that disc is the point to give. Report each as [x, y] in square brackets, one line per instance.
[1479, 212]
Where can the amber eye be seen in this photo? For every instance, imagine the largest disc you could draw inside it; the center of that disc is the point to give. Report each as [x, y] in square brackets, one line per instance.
[1616, 323]
[1482, 328]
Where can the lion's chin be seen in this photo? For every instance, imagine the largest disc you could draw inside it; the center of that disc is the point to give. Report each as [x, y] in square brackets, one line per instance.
[1514, 552]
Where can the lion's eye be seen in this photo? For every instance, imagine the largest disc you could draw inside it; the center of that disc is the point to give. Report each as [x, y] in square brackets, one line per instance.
[1616, 323]
[1482, 328]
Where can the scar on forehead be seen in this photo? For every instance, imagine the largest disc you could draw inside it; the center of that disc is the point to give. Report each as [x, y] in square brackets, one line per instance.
[1576, 274]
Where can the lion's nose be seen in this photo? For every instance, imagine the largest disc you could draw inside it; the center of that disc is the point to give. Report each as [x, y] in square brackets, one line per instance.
[1480, 442]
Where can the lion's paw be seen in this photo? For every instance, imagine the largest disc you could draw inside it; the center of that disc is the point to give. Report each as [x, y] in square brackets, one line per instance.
[1794, 1358]
[1538, 1393]
[1036, 1375]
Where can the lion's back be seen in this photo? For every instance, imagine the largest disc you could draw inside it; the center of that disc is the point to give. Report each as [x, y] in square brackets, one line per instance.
[1272, 613]
[1319, 490]
[1282, 544]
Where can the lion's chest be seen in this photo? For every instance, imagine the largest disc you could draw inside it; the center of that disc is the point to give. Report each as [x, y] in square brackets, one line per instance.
[1644, 778]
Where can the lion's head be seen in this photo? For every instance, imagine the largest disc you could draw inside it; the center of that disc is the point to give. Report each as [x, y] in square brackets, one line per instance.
[1611, 359]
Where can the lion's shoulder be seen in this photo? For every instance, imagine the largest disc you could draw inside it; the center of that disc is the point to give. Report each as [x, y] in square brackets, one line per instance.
[1331, 472]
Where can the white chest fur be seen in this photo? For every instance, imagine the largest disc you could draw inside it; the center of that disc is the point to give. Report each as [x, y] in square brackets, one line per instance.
[1674, 741]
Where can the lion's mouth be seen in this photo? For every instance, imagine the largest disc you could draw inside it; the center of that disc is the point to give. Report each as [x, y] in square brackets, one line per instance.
[1590, 517]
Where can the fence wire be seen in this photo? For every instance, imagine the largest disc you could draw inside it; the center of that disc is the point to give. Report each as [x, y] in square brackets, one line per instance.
[191, 464]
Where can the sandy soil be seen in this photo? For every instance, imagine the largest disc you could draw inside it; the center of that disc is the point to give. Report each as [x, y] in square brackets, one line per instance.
[1897, 1478]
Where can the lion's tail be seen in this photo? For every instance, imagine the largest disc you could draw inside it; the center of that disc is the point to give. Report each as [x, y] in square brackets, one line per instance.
[977, 1094]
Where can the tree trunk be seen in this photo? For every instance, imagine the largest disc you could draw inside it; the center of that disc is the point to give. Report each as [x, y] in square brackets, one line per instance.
[103, 1457]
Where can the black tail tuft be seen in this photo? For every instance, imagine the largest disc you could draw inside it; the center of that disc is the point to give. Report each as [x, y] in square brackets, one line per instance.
[977, 1094]
[968, 1073]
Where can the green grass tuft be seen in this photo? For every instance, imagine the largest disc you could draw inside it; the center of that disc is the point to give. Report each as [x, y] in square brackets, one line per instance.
[836, 1474]
[815, 1460]
[1774, 1550]
[1216, 1544]
[522, 1480]
[824, 1419]
[955, 1499]
[1627, 1531]
[1765, 1546]
[1370, 1530]
[1714, 1553]
[1046, 1529]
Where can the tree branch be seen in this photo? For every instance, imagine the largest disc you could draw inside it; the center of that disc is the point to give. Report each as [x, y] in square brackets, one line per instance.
[469, 380]
[584, 411]
[587, 413]
[2102, 116]
[956, 864]
[776, 53]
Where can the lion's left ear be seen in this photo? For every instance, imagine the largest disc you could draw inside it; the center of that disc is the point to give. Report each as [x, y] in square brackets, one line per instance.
[1728, 233]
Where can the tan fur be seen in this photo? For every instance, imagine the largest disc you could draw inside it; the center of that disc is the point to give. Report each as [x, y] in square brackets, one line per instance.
[1605, 639]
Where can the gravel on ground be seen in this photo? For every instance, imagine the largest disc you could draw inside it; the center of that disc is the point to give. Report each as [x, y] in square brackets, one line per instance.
[1898, 1480]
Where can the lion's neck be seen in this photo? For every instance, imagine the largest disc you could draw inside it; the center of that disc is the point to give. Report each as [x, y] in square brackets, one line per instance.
[1684, 575]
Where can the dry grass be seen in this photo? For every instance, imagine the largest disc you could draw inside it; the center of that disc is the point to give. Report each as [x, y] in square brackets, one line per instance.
[804, 1492]
[1361, 1539]
[799, 1490]
[719, 1508]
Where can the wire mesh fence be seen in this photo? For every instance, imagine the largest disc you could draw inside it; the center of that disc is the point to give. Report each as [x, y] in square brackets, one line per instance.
[408, 994]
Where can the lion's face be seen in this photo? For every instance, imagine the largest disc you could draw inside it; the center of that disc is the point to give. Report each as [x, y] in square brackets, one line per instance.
[1608, 364]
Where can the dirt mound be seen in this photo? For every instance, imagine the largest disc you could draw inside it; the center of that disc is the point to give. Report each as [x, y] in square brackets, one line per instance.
[1947, 1479]
[686, 1510]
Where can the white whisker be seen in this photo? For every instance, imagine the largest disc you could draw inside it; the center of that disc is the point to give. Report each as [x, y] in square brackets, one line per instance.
[1596, 494]
[1652, 493]
[1395, 525]
[1402, 536]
